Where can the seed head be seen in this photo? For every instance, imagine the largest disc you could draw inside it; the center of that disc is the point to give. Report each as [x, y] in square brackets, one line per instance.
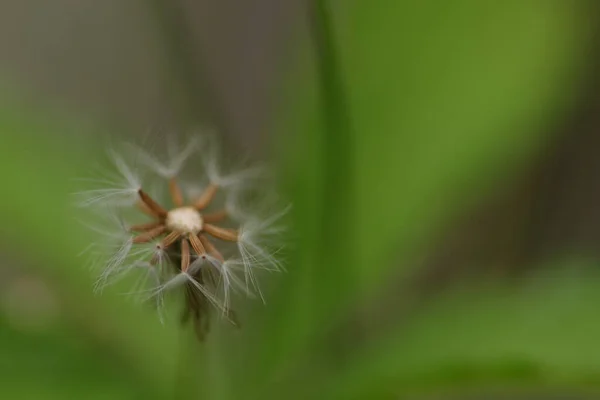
[202, 243]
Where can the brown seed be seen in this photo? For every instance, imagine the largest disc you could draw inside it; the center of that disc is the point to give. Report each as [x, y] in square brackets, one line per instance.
[206, 197]
[152, 205]
[176, 194]
[230, 235]
[149, 235]
[197, 245]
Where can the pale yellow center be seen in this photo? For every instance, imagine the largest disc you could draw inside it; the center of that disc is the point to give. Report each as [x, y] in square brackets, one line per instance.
[184, 220]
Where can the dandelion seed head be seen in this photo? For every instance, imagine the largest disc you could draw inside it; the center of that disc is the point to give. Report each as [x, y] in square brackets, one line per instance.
[196, 234]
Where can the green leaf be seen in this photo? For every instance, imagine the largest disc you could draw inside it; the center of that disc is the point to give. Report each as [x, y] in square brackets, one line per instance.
[442, 100]
[58, 362]
[41, 156]
[539, 333]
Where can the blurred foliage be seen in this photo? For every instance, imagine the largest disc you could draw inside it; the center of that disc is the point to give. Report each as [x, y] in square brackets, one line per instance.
[432, 103]
[540, 333]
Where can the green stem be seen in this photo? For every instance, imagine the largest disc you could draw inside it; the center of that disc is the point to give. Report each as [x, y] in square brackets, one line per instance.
[338, 208]
[338, 140]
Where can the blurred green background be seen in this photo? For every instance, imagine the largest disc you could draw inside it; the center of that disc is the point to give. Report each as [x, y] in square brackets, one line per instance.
[442, 160]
